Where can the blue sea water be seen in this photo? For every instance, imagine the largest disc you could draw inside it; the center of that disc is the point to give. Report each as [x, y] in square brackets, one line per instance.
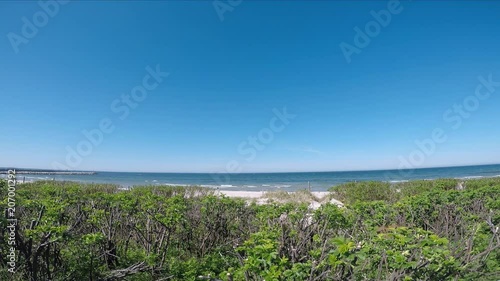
[319, 181]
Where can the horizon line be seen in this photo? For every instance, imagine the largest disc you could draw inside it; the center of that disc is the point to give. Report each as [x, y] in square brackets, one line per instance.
[284, 172]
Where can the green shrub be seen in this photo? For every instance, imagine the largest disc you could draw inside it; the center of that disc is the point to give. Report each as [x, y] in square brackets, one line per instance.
[419, 230]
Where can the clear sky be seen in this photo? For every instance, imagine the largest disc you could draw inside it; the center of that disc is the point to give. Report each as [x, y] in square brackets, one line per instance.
[226, 77]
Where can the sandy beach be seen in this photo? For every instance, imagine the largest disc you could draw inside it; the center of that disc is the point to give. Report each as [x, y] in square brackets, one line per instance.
[259, 194]
[260, 197]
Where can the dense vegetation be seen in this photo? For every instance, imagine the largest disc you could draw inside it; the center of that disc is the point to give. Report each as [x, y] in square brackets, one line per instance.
[421, 230]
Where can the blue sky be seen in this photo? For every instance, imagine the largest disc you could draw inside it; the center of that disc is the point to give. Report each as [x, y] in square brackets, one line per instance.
[226, 77]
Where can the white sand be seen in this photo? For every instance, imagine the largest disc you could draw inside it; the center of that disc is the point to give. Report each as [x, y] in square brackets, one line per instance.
[259, 194]
[242, 194]
[260, 198]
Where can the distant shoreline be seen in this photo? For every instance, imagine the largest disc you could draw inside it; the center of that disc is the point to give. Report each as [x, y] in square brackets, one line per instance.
[256, 181]
[51, 173]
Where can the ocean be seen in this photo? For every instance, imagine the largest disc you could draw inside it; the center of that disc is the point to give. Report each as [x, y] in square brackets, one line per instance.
[319, 181]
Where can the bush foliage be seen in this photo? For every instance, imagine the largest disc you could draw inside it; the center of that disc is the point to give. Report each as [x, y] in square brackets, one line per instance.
[419, 230]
